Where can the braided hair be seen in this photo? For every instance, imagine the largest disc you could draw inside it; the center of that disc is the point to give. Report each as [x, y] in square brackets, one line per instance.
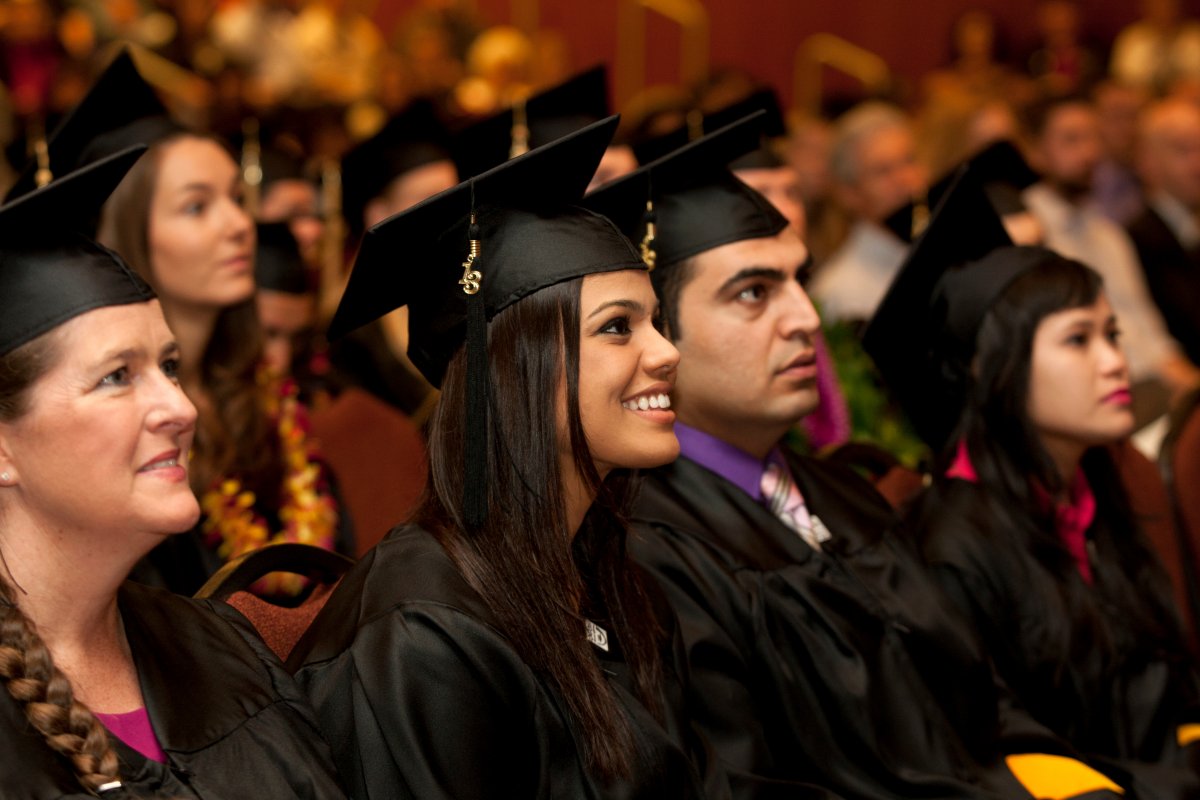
[26, 667]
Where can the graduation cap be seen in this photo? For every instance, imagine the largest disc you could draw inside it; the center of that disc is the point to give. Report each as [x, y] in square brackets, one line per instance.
[763, 157]
[688, 202]
[121, 110]
[922, 336]
[773, 127]
[462, 256]
[999, 169]
[538, 120]
[49, 270]
[410, 139]
[278, 265]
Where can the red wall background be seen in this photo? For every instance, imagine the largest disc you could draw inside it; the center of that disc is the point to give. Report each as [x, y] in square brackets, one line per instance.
[762, 35]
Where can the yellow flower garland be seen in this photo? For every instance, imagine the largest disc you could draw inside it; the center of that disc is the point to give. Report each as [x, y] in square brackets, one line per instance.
[308, 513]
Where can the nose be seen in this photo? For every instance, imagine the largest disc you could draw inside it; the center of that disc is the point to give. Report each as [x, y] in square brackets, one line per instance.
[660, 357]
[171, 407]
[239, 223]
[798, 316]
[1113, 361]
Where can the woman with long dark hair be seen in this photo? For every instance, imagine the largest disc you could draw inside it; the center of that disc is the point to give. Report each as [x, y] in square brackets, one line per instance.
[1027, 526]
[501, 645]
[111, 688]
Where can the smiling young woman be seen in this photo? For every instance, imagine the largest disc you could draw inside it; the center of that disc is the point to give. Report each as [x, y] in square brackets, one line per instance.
[524, 655]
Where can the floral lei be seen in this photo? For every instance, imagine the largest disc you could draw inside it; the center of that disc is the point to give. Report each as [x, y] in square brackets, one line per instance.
[308, 512]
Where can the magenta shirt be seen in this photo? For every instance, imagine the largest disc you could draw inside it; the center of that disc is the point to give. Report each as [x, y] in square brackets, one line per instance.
[134, 729]
[1072, 519]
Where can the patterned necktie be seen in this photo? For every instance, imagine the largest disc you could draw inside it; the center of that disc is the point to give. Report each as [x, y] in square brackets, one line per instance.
[783, 497]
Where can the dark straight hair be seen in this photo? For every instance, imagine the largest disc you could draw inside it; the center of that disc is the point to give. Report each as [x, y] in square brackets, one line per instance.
[540, 583]
[1010, 461]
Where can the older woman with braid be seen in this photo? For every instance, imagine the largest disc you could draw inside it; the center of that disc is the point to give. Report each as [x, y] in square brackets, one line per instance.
[110, 688]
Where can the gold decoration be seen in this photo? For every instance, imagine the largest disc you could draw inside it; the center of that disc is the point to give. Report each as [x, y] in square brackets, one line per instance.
[252, 173]
[42, 151]
[920, 216]
[648, 254]
[307, 512]
[520, 131]
[471, 277]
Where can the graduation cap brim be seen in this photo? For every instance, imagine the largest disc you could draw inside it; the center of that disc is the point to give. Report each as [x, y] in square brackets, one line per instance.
[699, 203]
[998, 167]
[764, 100]
[50, 271]
[69, 203]
[412, 138]
[121, 110]
[402, 259]
[908, 338]
[550, 114]
[772, 127]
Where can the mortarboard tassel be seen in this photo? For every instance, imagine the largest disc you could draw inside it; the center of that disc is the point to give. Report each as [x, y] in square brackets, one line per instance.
[475, 488]
[520, 131]
[41, 151]
[649, 218]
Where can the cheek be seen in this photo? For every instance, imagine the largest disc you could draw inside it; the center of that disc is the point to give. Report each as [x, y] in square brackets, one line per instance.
[1055, 390]
[174, 252]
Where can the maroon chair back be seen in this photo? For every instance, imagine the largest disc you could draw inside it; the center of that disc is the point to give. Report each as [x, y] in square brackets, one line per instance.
[378, 457]
[1179, 463]
[280, 623]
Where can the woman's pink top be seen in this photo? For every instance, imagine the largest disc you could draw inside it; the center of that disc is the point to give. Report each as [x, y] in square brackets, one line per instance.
[134, 729]
[1072, 518]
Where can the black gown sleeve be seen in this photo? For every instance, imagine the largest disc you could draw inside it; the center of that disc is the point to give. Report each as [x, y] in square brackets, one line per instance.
[427, 703]
[714, 665]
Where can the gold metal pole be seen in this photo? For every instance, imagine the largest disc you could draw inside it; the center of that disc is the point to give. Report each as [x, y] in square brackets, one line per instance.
[828, 50]
[692, 18]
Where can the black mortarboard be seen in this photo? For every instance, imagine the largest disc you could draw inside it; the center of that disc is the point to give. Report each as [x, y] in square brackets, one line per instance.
[463, 255]
[922, 336]
[764, 157]
[539, 120]
[50, 272]
[410, 139]
[696, 202]
[999, 169]
[120, 111]
[700, 123]
[278, 265]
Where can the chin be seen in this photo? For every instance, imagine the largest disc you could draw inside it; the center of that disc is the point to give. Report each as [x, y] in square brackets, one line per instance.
[183, 519]
[240, 292]
[647, 454]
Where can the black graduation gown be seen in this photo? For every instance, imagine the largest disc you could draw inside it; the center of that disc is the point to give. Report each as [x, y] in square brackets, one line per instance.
[1124, 713]
[422, 697]
[1173, 277]
[233, 723]
[841, 668]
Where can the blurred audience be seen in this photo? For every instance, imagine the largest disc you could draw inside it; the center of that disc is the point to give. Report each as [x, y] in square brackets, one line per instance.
[1116, 189]
[875, 171]
[1167, 232]
[1067, 148]
[1062, 62]
[1158, 49]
